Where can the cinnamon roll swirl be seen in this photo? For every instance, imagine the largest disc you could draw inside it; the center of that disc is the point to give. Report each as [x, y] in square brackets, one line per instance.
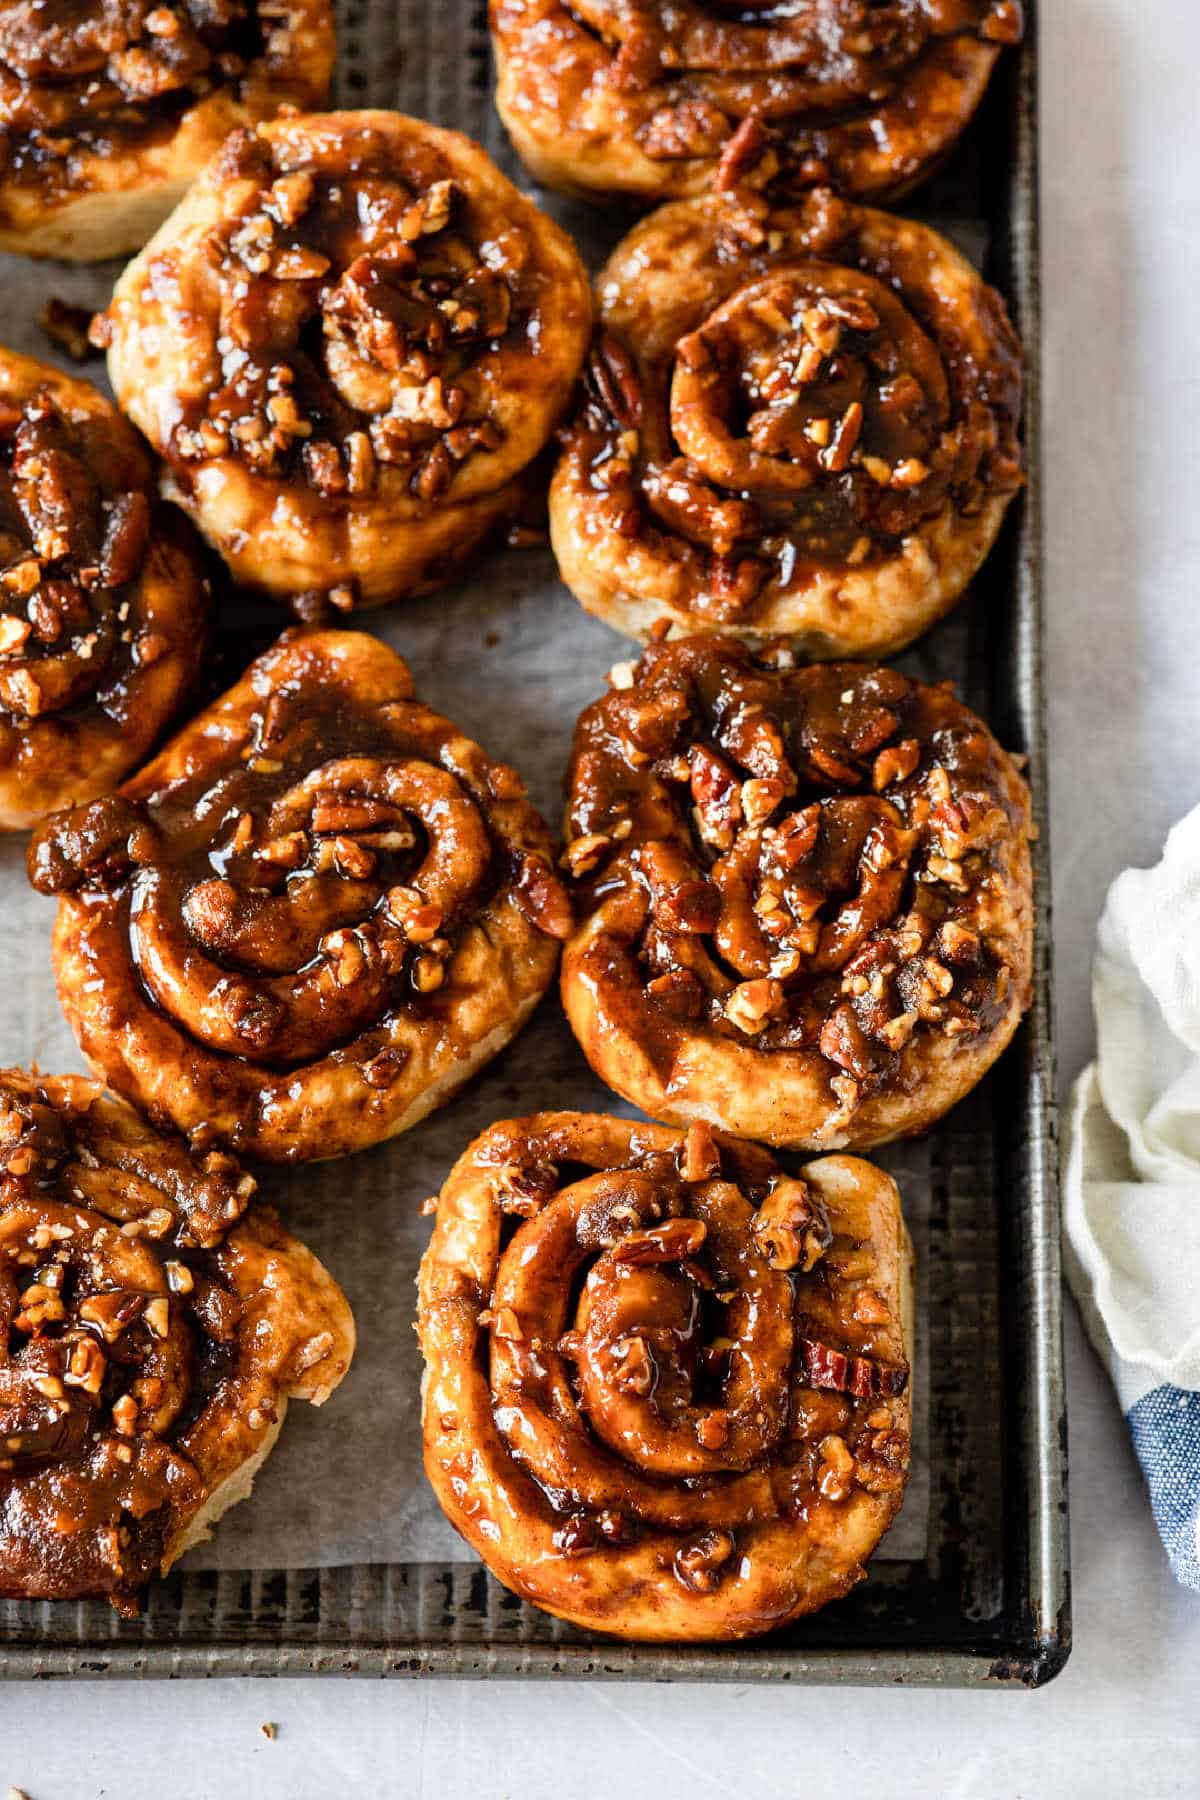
[311, 918]
[153, 1334]
[804, 426]
[657, 98]
[667, 1384]
[108, 108]
[348, 344]
[805, 892]
[103, 607]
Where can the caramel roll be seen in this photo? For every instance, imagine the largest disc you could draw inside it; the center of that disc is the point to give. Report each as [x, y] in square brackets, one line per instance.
[805, 895]
[348, 344]
[153, 1333]
[103, 608]
[660, 99]
[667, 1384]
[108, 108]
[807, 427]
[312, 917]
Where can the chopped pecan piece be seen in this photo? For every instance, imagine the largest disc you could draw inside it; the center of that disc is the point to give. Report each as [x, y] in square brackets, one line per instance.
[700, 1565]
[825, 1367]
[788, 1228]
[753, 1004]
[636, 1370]
[613, 374]
[837, 1469]
[674, 1241]
[700, 1159]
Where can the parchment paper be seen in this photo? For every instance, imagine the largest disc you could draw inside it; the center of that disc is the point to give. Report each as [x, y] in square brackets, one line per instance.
[512, 659]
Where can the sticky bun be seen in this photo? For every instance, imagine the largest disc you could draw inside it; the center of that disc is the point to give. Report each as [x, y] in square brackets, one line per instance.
[103, 606]
[804, 425]
[311, 917]
[660, 99]
[108, 108]
[154, 1332]
[805, 895]
[667, 1383]
[348, 344]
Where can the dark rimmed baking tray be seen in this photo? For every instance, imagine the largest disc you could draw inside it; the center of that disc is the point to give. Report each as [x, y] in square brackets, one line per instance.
[988, 1605]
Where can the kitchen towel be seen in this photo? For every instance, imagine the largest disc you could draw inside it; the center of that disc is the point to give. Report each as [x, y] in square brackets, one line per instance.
[1133, 1178]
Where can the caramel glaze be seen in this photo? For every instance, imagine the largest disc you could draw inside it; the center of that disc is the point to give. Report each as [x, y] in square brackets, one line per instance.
[657, 98]
[102, 77]
[149, 1336]
[667, 1382]
[372, 334]
[805, 893]
[805, 423]
[326, 308]
[311, 916]
[103, 608]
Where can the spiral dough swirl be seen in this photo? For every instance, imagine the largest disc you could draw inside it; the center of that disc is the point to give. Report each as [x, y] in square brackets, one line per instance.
[349, 343]
[806, 895]
[804, 426]
[152, 1334]
[312, 917]
[667, 1383]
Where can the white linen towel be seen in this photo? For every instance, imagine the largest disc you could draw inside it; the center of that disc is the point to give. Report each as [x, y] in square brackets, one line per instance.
[1132, 1201]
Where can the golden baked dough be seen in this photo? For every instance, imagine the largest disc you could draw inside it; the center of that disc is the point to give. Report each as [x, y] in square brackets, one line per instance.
[154, 1332]
[805, 892]
[804, 424]
[656, 99]
[348, 344]
[103, 606]
[109, 108]
[667, 1384]
[312, 917]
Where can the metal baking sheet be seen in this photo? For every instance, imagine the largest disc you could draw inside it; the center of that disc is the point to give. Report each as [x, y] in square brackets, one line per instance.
[971, 1586]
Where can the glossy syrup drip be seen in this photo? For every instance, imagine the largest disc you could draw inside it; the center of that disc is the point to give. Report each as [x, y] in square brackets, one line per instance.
[829, 58]
[116, 1324]
[666, 96]
[75, 520]
[289, 900]
[815, 848]
[808, 416]
[363, 312]
[649, 1330]
[112, 72]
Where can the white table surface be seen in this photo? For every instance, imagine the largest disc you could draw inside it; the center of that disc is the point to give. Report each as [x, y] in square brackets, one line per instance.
[1121, 179]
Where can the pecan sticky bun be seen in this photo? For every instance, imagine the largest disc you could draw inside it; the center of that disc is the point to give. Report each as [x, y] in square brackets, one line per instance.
[658, 99]
[349, 344]
[103, 608]
[805, 426]
[109, 108]
[312, 917]
[154, 1331]
[667, 1384]
[806, 895]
